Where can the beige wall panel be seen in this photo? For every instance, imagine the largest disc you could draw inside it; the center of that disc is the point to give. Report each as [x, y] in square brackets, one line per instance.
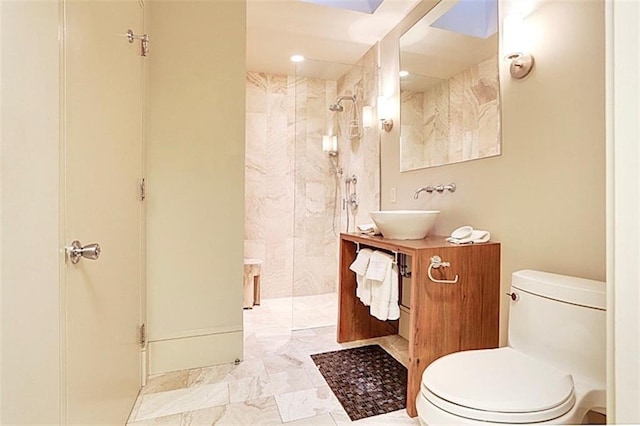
[195, 168]
[29, 177]
[197, 351]
[544, 197]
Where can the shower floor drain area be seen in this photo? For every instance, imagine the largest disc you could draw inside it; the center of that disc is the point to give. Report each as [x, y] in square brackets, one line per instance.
[366, 380]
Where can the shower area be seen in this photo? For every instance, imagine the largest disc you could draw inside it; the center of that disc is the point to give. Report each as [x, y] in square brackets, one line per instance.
[311, 172]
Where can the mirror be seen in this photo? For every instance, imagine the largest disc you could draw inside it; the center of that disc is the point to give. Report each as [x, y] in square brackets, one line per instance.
[449, 87]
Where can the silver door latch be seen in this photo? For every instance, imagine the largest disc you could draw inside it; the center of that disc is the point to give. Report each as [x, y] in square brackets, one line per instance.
[76, 251]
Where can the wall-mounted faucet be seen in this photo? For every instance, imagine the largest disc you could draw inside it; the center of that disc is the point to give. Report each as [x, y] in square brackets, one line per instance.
[439, 189]
[351, 197]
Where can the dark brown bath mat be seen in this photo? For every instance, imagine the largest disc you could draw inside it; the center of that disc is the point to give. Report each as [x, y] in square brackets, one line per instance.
[367, 380]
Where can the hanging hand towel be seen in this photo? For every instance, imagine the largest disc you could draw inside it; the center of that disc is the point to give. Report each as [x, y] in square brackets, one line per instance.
[384, 292]
[379, 263]
[359, 266]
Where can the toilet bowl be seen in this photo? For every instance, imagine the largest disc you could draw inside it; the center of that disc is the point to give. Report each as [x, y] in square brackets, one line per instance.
[551, 372]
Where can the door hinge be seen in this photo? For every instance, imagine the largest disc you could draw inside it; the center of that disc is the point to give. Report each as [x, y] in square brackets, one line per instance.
[141, 190]
[144, 41]
[143, 336]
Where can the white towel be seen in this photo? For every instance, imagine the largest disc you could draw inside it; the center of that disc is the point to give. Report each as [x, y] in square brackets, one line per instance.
[379, 264]
[369, 229]
[477, 237]
[359, 266]
[384, 293]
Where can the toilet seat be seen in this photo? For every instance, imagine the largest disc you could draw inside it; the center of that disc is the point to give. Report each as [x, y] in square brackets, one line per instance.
[498, 385]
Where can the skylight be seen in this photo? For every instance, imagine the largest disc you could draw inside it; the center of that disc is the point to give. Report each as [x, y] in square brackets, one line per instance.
[476, 18]
[366, 6]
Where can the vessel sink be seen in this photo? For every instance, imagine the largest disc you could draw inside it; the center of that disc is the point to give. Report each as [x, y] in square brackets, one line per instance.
[405, 224]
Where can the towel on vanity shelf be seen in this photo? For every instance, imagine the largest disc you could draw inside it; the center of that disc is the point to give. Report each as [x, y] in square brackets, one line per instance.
[359, 266]
[476, 237]
[368, 229]
[384, 291]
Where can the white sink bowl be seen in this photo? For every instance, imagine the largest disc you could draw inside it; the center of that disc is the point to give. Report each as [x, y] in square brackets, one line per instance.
[405, 224]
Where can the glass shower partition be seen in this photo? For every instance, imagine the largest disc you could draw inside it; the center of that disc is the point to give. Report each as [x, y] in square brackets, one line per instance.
[336, 178]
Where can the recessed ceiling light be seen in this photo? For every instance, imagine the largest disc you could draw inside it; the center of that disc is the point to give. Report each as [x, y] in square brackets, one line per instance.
[297, 58]
[403, 73]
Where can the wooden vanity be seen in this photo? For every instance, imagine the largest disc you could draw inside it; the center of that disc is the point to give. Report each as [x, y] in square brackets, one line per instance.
[444, 318]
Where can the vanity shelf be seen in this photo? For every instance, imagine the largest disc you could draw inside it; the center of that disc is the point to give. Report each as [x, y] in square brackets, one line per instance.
[445, 317]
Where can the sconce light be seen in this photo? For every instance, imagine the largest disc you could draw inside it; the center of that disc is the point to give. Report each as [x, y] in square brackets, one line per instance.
[330, 145]
[384, 114]
[514, 45]
[367, 116]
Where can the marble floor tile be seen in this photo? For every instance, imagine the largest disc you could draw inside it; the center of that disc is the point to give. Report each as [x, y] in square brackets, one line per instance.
[263, 411]
[225, 373]
[249, 388]
[276, 383]
[269, 385]
[399, 417]
[166, 382]
[280, 363]
[173, 420]
[306, 403]
[321, 420]
[182, 400]
[290, 381]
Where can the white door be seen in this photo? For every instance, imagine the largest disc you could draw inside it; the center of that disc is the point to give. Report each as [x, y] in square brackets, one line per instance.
[103, 165]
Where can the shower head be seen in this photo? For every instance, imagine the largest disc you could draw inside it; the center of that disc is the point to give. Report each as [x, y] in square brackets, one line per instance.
[339, 108]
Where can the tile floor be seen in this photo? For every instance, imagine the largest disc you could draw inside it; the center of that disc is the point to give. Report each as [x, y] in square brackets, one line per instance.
[277, 383]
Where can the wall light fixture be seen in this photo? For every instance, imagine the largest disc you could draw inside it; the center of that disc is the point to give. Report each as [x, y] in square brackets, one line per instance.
[330, 144]
[384, 113]
[514, 43]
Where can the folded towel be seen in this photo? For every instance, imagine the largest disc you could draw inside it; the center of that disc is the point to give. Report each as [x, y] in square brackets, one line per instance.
[476, 237]
[384, 296]
[369, 229]
[359, 266]
[379, 265]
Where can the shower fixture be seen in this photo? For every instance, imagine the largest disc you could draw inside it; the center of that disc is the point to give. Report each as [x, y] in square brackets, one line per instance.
[339, 108]
[355, 129]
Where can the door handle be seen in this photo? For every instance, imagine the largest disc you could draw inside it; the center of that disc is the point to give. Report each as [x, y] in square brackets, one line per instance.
[77, 250]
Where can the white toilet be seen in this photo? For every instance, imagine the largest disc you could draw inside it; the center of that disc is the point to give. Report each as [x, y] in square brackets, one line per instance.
[551, 372]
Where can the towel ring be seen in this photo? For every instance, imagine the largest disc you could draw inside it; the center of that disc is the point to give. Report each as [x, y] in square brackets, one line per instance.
[436, 262]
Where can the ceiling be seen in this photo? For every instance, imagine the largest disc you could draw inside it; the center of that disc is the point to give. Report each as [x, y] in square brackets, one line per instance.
[277, 29]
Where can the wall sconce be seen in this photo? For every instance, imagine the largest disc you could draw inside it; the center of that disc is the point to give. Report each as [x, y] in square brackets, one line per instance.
[330, 145]
[367, 116]
[384, 114]
[514, 45]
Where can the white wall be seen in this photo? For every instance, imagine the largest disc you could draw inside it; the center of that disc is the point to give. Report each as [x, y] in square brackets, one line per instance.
[195, 180]
[623, 193]
[544, 197]
[30, 368]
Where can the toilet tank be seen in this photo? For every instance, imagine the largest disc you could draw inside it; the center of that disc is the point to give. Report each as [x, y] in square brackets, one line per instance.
[561, 320]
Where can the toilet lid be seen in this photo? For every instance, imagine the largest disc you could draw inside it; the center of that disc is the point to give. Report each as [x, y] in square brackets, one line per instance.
[498, 385]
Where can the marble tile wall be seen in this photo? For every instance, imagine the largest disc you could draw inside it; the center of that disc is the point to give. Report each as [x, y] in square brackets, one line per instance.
[269, 177]
[315, 244]
[290, 184]
[457, 120]
[360, 156]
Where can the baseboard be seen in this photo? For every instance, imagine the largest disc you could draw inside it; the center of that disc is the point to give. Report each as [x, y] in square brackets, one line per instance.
[193, 352]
